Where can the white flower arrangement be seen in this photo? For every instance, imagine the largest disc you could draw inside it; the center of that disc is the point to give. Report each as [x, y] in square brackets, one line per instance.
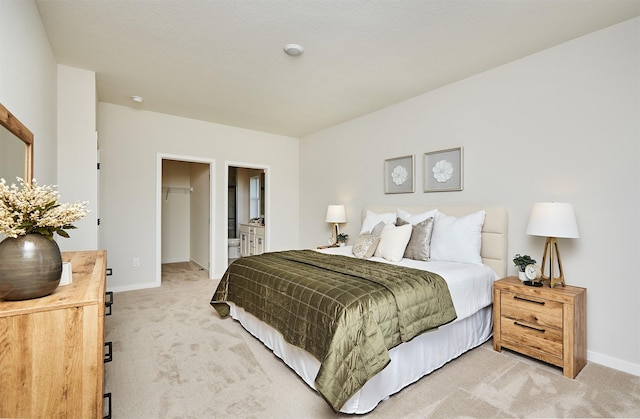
[35, 209]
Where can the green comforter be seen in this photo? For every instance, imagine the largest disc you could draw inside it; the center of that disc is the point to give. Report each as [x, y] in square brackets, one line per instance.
[346, 312]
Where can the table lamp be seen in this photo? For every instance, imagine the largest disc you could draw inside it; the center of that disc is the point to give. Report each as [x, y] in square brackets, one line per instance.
[553, 220]
[336, 214]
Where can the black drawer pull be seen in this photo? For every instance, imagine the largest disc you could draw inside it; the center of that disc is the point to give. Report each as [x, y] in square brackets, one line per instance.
[527, 300]
[108, 356]
[529, 327]
[109, 272]
[108, 302]
[107, 396]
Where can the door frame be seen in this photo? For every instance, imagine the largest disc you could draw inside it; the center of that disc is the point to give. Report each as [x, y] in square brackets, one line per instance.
[188, 159]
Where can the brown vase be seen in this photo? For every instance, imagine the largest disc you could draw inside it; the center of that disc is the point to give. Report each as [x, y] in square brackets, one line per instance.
[30, 267]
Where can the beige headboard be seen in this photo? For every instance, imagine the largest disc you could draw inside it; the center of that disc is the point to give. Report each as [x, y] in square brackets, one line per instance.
[494, 231]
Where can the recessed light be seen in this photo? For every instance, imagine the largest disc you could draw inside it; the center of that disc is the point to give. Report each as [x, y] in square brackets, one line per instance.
[293, 50]
[137, 99]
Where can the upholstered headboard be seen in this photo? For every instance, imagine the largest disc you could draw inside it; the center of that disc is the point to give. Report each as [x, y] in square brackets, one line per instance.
[494, 231]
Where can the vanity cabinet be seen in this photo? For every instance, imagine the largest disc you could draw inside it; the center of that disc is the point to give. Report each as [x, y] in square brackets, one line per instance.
[52, 348]
[252, 240]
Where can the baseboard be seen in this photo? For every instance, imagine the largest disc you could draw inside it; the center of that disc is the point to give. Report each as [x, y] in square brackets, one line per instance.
[174, 260]
[132, 287]
[199, 264]
[614, 363]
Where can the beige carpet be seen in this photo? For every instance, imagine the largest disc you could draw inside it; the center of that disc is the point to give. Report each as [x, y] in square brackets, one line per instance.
[175, 358]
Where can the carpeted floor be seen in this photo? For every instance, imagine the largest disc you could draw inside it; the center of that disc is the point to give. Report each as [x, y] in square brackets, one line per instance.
[175, 358]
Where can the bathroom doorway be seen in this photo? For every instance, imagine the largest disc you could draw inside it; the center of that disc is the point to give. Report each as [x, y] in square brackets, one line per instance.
[247, 205]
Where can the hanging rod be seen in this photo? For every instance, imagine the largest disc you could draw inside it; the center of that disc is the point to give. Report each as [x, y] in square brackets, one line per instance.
[183, 189]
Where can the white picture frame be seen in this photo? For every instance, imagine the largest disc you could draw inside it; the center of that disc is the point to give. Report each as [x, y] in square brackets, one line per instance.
[399, 175]
[443, 170]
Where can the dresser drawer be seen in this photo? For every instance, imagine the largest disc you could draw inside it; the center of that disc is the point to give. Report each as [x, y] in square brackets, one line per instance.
[521, 333]
[532, 310]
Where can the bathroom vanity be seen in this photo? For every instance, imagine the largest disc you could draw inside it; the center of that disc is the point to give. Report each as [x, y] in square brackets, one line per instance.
[251, 239]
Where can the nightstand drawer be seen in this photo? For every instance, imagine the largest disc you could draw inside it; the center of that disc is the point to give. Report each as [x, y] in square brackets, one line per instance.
[532, 310]
[543, 339]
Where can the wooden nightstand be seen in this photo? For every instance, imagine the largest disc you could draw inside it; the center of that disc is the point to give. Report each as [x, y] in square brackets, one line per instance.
[545, 323]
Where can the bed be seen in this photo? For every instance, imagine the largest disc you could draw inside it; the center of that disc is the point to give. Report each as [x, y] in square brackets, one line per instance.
[467, 248]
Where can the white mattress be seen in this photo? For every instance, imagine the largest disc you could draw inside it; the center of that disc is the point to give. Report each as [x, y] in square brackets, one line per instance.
[471, 291]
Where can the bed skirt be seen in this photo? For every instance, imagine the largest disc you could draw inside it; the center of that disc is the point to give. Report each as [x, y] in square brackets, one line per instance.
[410, 361]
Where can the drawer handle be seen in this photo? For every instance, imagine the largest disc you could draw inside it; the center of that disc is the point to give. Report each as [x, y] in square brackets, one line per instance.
[107, 396]
[108, 303]
[108, 355]
[529, 327]
[527, 300]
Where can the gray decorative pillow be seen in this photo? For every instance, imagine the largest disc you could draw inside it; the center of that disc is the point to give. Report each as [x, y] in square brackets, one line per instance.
[419, 247]
[377, 230]
[365, 245]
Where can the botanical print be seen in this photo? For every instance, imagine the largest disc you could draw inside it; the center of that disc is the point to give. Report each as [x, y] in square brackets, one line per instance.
[442, 171]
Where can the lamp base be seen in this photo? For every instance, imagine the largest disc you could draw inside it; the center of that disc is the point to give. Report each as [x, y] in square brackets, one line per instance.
[555, 281]
[335, 232]
[551, 247]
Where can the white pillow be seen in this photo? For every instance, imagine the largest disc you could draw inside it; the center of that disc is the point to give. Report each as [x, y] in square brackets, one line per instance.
[415, 218]
[393, 242]
[371, 219]
[457, 239]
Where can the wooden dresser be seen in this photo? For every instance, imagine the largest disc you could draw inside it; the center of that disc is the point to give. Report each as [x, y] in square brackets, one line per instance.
[545, 323]
[52, 348]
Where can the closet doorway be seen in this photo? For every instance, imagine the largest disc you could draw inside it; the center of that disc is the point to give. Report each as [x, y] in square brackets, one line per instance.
[185, 210]
[247, 205]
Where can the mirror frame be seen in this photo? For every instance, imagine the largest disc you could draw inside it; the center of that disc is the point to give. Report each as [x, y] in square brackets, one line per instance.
[18, 129]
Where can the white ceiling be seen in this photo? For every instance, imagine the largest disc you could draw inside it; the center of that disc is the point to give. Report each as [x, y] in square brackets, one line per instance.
[223, 61]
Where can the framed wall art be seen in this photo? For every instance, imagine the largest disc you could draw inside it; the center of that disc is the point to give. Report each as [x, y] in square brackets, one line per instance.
[443, 170]
[399, 175]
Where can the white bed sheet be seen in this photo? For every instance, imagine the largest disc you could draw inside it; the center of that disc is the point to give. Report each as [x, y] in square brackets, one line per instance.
[471, 292]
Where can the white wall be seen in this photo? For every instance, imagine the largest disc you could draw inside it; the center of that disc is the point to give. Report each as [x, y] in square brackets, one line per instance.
[560, 125]
[78, 153]
[28, 81]
[53, 102]
[130, 141]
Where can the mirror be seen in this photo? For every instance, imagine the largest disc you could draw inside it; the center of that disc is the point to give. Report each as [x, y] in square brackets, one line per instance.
[16, 148]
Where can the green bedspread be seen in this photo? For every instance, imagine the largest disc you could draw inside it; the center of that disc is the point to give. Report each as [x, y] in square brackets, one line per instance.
[346, 312]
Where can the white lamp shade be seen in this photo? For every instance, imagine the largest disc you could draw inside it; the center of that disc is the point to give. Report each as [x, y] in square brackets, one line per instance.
[336, 214]
[553, 219]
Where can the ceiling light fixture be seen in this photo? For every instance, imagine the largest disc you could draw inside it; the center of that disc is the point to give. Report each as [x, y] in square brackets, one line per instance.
[293, 50]
[137, 99]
